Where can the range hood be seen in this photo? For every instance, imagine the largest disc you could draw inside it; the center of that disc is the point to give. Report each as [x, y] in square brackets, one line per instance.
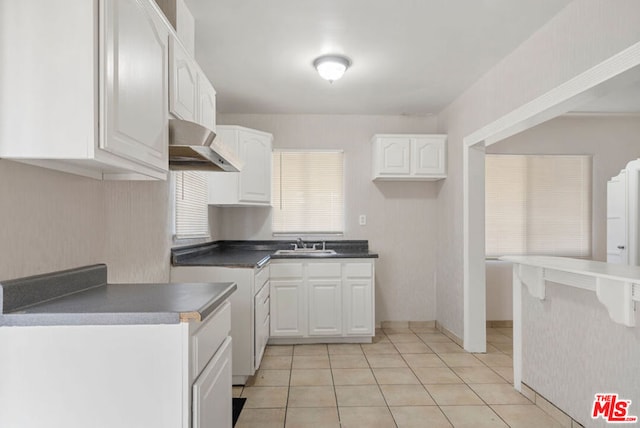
[192, 147]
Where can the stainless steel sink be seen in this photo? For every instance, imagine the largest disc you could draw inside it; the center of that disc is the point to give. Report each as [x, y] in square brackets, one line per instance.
[305, 252]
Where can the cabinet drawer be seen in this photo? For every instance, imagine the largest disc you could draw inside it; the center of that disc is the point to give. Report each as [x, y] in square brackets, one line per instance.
[286, 270]
[212, 403]
[208, 338]
[262, 305]
[324, 270]
[358, 270]
[262, 276]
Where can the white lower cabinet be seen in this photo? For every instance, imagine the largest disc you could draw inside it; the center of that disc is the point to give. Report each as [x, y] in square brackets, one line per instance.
[322, 300]
[104, 376]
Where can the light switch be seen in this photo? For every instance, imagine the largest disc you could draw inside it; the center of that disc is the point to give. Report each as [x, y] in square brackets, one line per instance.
[362, 219]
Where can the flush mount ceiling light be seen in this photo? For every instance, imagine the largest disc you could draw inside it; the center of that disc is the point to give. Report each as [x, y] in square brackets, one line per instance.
[331, 67]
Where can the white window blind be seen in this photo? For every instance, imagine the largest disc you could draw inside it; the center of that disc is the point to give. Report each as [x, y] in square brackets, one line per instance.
[308, 195]
[538, 204]
[192, 220]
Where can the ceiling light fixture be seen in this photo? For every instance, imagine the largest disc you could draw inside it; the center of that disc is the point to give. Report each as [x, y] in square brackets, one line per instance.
[331, 67]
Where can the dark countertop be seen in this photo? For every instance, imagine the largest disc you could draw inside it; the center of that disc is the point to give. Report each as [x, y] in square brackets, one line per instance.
[252, 254]
[28, 301]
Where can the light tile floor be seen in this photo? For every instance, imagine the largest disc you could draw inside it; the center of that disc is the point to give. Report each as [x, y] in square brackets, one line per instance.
[407, 378]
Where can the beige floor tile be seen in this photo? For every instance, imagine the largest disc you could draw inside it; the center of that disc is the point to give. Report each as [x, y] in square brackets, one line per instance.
[276, 362]
[316, 417]
[498, 338]
[505, 372]
[436, 375]
[279, 350]
[311, 361]
[311, 377]
[386, 361]
[389, 331]
[506, 348]
[445, 347]
[353, 377]
[379, 338]
[478, 375]
[502, 393]
[236, 392]
[361, 395]
[348, 361]
[265, 397]
[379, 348]
[395, 324]
[419, 417]
[345, 349]
[395, 376]
[507, 331]
[453, 395]
[403, 337]
[422, 324]
[431, 330]
[525, 416]
[406, 395]
[311, 396]
[413, 348]
[261, 418]
[270, 378]
[423, 360]
[369, 417]
[473, 417]
[460, 360]
[434, 338]
[310, 350]
[496, 360]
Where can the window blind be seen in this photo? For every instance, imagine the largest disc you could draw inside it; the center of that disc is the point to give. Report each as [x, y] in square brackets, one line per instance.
[538, 204]
[191, 219]
[308, 192]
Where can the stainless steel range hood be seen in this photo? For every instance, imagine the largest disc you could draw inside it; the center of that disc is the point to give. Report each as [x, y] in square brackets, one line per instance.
[192, 147]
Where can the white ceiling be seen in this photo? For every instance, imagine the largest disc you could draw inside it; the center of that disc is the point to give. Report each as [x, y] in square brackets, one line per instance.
[409, 56]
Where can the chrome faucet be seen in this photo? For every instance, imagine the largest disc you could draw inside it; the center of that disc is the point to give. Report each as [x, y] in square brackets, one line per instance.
[300, 243]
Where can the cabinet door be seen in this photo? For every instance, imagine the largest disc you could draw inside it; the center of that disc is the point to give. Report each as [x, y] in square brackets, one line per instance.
[287, 308]
[358, 306]
[393, 156]
[206, 103]
[617, 213]
[428, 156]
[255, 177]
[325, 307]
[134, 83]
[212, 392]
[183, 88]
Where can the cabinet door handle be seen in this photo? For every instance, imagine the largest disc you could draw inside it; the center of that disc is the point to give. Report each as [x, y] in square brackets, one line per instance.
[620, 247]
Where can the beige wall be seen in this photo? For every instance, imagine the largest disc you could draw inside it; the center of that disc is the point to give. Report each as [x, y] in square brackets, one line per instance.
[401, 216]
[52, 220]
[611, 141]
[582, 35]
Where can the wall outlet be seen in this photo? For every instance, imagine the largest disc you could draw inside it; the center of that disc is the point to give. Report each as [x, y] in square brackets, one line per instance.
[362, 219]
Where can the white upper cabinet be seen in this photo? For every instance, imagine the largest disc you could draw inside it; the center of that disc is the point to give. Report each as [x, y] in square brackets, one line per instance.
[206, 107]
[183, 92]
[98, 109]
[409, 157]
[252, 185]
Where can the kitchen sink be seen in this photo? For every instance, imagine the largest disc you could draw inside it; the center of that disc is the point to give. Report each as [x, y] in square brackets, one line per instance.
[305, 252]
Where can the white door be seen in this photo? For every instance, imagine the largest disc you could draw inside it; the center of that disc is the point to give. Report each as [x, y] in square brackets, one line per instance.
[427, 156]
[255, 177]
[325, 307]
[394, 156]
[287, 311]
[182, 91]
[212, 392]
[358, 306]
[134, 83]
[617, 212]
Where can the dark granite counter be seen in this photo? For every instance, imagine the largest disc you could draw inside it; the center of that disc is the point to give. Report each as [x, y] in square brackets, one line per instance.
[83, 297]
[251, 254]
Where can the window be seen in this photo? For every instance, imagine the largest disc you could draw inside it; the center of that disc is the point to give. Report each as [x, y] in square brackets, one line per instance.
[538, 205]
[191, 219]
[308, 195]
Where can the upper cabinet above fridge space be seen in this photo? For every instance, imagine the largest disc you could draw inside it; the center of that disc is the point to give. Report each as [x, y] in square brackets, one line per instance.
[409, 157]
[85, 87]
